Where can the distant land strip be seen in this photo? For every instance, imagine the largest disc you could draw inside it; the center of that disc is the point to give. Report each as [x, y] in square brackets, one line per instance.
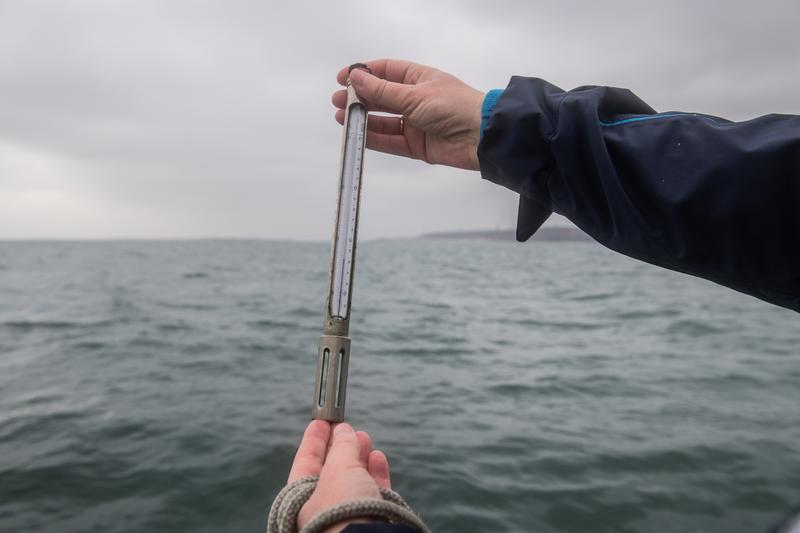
[547, 234]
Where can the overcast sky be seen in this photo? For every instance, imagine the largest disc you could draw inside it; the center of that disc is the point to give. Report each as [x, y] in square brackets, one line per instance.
[213, 119]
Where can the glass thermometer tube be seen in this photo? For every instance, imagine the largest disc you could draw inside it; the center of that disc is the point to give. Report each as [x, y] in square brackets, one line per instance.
[347, 215]
[334, 345]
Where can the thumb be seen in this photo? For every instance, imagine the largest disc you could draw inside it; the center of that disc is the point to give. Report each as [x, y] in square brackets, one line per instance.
[344, 450]
[379, 92]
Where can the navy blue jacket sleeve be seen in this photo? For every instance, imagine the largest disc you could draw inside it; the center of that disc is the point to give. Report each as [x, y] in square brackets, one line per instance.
[689, 192]
[378, 528]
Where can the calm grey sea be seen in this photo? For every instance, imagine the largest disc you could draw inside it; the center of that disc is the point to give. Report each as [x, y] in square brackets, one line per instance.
[553, 387]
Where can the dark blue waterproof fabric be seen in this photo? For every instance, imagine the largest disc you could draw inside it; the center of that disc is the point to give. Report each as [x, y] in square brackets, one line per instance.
[689, 192]
[377, 528]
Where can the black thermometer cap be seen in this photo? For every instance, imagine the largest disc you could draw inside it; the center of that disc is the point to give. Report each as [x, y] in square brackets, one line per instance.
[358, 65]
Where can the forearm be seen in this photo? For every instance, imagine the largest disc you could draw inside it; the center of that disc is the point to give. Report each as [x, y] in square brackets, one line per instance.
[692, 193]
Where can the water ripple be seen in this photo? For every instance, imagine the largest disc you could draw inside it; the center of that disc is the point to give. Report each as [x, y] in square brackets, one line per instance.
[547, 387]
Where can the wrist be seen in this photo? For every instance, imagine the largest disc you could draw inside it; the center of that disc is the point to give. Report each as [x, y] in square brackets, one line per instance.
[475, 129]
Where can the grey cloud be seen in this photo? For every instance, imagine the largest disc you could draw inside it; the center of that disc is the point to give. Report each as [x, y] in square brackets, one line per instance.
[181, 119]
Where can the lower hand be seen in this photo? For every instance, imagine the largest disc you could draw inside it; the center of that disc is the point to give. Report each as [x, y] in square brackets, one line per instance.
[441, 114]
[347, 466]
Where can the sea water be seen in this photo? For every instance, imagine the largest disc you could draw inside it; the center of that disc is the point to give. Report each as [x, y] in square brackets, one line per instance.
[554, 387]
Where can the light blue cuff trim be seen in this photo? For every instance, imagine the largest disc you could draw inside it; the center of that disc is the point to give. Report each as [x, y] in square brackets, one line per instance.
[654, 117]
[489, 101]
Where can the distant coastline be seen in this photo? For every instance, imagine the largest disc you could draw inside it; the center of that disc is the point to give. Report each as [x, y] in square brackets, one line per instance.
[546, 234]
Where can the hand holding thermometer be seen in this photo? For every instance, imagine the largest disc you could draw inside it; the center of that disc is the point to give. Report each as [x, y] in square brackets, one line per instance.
[334, 345]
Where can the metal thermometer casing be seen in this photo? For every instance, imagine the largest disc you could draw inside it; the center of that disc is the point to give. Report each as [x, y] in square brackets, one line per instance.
[333, 358]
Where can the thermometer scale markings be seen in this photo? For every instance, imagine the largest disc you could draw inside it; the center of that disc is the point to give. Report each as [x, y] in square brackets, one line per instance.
[348, 210]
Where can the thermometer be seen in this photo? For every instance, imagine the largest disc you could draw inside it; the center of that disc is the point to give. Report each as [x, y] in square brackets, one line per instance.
[334, 345]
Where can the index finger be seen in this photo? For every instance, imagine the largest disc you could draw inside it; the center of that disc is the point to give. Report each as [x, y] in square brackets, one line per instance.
[312, 450]
[395, 70]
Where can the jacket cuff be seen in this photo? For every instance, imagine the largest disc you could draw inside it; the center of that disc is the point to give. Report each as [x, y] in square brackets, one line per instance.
[377, 527]
[514, 150]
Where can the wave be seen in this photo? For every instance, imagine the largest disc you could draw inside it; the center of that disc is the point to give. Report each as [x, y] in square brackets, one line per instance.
[53, 324]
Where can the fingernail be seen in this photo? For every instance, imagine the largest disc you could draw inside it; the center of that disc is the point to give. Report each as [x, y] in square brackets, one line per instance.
[315, 423]
[357, 77]
[343, 429]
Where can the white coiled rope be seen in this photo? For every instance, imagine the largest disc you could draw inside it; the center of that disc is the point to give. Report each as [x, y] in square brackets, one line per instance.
[283, 513]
